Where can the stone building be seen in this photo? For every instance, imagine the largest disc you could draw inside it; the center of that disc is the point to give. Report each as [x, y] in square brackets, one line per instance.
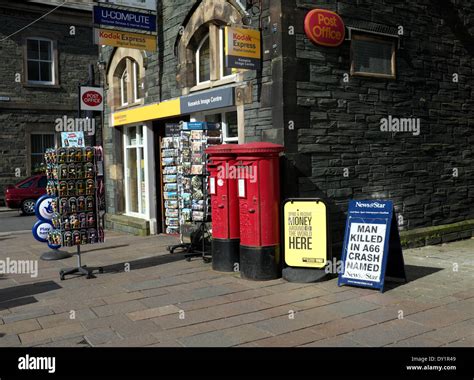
[41, 68]
[388, 114]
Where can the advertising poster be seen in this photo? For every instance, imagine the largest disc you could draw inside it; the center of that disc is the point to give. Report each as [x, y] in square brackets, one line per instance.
[305, 238]
[242, 48]
[72, 140]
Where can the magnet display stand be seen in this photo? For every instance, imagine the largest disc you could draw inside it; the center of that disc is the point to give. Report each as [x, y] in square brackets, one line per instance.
[75, 186]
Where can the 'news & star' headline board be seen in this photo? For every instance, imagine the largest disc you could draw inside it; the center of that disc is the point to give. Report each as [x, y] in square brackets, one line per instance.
[372, 248]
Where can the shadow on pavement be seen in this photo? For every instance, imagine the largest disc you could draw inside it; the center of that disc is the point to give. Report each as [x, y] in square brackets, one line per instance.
[22, 294]
[413, 273]
[143, 263]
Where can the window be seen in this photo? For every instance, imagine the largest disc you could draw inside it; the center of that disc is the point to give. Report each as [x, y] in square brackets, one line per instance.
[124, 88]
[136, 82]
[39, 61]
[224, 71]
[212, 49]
[135, 179]
[39, 144]
[373, 56]
[42, 182]
[203, 61]
[229, 125]
[27, 184]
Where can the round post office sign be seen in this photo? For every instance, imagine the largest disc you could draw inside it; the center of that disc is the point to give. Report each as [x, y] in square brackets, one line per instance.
[324, 28]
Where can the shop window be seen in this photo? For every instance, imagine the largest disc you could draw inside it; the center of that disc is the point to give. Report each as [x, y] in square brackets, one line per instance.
[373, 57]
[229, 125]
[203, 61]
[40, 61]
[39, 143]
[135, 179]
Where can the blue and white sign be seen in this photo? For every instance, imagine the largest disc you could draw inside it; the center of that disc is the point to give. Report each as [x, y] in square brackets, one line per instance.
[118, 18]
[44, 209]
[208, 100]
[366, 243]
[194, 125]
[41, 231]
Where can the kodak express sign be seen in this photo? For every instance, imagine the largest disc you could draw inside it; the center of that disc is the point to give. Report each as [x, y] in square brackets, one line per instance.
[324, 28]
[242, 48]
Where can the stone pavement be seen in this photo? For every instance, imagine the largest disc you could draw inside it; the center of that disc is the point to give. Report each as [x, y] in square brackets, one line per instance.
[164, 301]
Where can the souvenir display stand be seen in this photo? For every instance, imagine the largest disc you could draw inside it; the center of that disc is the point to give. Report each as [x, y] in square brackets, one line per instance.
[193, 201]
[75, 180]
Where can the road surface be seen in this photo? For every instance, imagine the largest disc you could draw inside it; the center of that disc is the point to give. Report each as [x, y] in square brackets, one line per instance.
[14, 221]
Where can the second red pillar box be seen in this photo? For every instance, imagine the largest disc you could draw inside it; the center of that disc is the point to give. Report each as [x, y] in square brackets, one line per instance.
[259, 202]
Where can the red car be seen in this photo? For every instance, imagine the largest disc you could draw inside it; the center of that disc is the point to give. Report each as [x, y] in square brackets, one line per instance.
[24, 194]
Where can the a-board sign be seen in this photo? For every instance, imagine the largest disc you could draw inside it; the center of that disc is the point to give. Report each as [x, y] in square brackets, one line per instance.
[372, 248]
[305, 233]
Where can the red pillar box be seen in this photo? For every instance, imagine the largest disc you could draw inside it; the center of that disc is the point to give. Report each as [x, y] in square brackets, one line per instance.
[225, 208]
[259, 203]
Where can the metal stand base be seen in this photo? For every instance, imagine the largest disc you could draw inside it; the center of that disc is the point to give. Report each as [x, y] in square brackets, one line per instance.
[55, 255]
[197, 247]
[81, 270]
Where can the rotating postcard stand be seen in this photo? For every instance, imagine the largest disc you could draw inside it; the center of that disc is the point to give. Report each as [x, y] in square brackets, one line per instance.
[77, 188]
[193, 200]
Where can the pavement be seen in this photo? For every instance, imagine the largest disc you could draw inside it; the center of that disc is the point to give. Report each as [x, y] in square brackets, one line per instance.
[147, 297]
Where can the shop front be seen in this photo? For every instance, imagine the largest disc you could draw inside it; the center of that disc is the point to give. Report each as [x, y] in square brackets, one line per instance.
[145, 133]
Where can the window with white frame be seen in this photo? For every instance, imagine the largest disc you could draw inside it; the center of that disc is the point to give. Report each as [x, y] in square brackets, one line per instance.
[135, 179]
[136, 82]
[224, 71]
[207, 49]
[229, 125]
[203, 61]
[40, 61]
[124, 88]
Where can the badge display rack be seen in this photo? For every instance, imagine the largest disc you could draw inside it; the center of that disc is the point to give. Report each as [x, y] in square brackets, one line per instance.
[192, 190]
[79, 190]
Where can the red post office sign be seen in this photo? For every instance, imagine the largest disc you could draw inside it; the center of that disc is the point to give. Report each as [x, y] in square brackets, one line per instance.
[324, 28]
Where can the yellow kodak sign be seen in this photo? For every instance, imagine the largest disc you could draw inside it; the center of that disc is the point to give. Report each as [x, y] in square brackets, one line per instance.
[125, 39]
[242, 48]
[305, 233]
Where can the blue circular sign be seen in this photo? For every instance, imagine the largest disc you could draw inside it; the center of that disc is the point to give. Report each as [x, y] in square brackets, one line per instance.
[53, 246]
[44, 208]
[41, 230]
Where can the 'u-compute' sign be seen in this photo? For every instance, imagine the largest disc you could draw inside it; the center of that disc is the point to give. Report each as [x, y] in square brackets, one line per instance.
[371, 245]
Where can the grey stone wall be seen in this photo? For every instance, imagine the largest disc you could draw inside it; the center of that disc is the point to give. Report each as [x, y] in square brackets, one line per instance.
[34, 109]
[342, 130]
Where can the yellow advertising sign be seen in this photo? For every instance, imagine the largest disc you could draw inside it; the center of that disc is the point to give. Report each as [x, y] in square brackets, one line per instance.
[242, 48]
[305, 233]
[145, 113]
[125, 39]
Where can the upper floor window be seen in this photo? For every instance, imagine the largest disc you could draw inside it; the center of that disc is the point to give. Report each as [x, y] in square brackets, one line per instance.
[210, 62]
[124, 88]
[373, 56]
[129, 82]
[203, 61]
[40, 61]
